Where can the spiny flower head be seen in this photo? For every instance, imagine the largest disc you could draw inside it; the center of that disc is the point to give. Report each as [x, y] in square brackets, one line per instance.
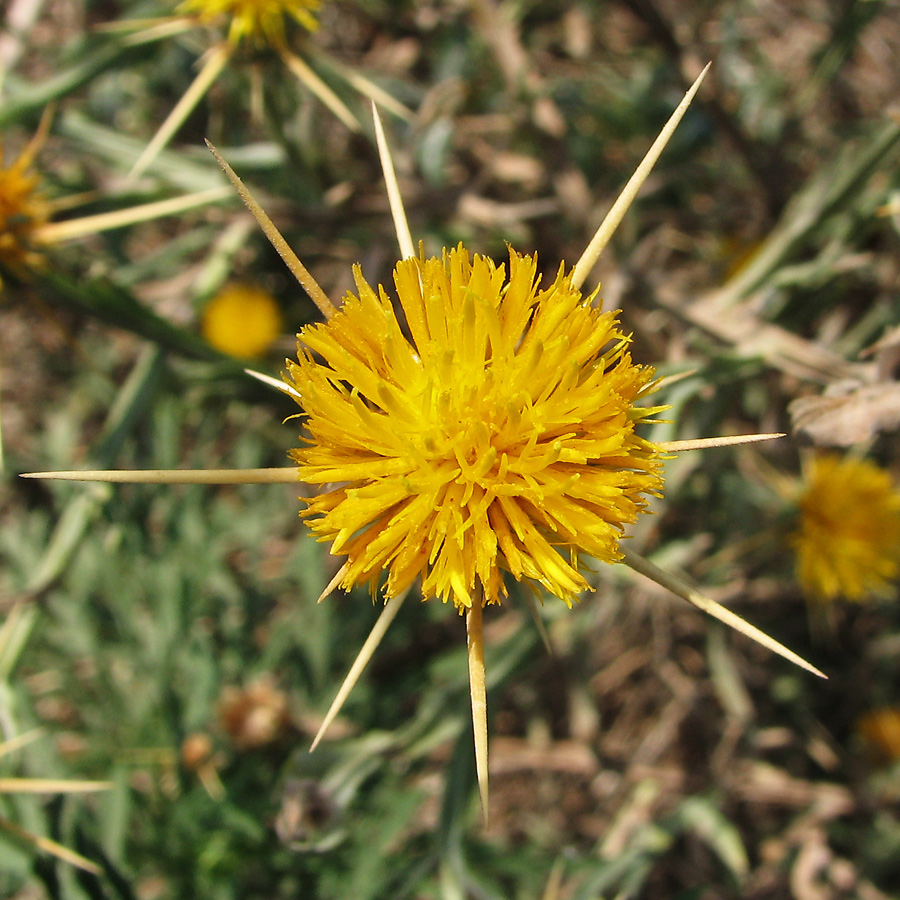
[848, 539]
[484, 424]
[499, 434]
[242, 320]
[22, 210]
[260, 21]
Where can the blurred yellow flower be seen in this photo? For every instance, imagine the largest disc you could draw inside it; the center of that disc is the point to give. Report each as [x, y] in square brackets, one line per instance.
[501, 436]
[848, 539]
[23, 210]
[260, 21]
[25, 214]
[242, 320]
[263, 25]
[880, 729]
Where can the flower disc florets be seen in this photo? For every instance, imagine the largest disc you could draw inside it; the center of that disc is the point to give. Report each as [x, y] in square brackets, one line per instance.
[260, 21]
[848, 540]
[493, 430]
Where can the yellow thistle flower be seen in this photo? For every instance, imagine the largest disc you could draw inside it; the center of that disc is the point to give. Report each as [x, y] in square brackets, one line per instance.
[25, 214]
[499, 435]
[848, 539]
[262, 25]
[23, 210]
[241, 320]
[260, 21]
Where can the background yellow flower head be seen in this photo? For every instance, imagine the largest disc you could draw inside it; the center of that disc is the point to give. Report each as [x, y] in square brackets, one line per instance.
[260, 21]
[242, 320]
[22, 210]
[848, 538]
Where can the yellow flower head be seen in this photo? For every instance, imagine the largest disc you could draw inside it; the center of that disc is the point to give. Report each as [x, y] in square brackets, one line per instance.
[261, 21]
[848, 540]
[22, 210]
[499, 432]
[242, 320]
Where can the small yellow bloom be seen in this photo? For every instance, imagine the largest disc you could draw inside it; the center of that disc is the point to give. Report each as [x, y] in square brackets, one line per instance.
[22, 211]
[848, 540]
[500, 434]
[260, 21]
[242, 320]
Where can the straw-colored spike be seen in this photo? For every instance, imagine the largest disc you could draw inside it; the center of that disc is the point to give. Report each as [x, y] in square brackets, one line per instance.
[391, 608]
[704, 443]
[629, 192]
[307, 76]
[666, 381]
[291, 260]
[553, 888]
[209, 72]
[20, 740]
[57, 232]
[478, 695]
[37, 139]
[401, 224]
[682, 589]
[276, 383]
[51, 786]
[281, 475]
[146, 30]
[47, 845]
[332, 585]
[369, 89]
